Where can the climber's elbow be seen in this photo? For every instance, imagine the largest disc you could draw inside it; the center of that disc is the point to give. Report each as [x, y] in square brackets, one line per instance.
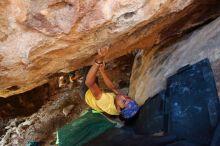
[88, 83]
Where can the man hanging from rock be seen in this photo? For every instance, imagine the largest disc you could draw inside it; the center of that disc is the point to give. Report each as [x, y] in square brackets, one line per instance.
[112, 103]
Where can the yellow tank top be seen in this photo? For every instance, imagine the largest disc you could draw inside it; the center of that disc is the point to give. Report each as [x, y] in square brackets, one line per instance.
[104, 104]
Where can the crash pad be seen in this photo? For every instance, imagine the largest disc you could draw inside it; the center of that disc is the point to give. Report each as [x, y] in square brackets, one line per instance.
[151, 118]
[188, 107]
[216, 137]
[193, 103]
[127, 137]
[85, 128]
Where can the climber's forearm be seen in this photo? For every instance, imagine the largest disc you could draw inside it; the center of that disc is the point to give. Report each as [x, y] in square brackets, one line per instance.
[107, 80]
[90, 78]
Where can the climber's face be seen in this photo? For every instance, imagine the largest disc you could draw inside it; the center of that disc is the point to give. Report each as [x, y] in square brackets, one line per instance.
[122, 101]
[128, 107]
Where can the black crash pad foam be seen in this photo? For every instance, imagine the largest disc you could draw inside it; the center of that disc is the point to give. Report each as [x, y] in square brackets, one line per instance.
[151, 116]
[126, 137]
[216, 137]
[193, 103]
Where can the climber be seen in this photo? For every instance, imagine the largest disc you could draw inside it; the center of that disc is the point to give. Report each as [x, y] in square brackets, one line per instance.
[112, 103]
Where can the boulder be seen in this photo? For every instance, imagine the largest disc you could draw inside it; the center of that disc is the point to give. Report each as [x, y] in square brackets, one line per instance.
[152, 67]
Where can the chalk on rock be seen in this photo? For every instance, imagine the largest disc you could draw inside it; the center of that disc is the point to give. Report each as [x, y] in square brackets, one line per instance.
[67, 109]
[27, 123]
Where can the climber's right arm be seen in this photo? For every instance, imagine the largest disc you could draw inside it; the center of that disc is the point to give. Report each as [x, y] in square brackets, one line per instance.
[91, 76]
[90, 81]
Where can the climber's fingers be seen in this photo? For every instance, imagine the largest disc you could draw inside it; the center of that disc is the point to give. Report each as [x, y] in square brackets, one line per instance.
[102, 66]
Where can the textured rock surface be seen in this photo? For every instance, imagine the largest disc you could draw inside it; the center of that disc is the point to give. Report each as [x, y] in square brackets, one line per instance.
[42, 125]
[152, 67]
[43, 37]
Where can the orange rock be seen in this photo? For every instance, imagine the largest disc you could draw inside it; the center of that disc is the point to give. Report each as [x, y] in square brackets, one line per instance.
[44, 37]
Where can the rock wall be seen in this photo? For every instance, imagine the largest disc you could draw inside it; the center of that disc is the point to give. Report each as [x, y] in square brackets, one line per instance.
[153, 66]
[43, 37]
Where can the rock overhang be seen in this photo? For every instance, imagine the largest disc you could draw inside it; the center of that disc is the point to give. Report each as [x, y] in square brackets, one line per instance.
[41, 38]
